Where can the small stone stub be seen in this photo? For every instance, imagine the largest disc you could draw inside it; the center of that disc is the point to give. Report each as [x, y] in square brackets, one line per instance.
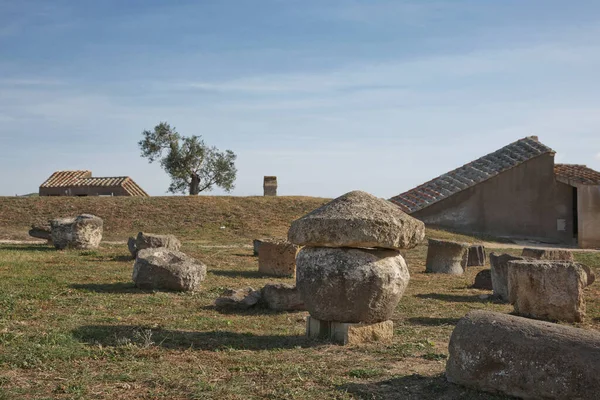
[350, 333]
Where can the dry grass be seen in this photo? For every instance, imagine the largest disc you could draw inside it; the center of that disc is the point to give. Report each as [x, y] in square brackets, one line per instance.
[72, 326]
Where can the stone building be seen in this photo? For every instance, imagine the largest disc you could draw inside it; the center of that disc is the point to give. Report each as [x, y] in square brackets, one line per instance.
[81, 183]
[270, 186]
[517, 191]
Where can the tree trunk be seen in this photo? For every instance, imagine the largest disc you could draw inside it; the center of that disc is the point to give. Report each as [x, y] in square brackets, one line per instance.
[195, 185]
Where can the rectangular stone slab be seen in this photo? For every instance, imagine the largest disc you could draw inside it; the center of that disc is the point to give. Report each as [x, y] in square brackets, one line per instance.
[350, 333]
[277, 258]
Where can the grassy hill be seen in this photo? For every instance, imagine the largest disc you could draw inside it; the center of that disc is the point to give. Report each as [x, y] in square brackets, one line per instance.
[198, 218]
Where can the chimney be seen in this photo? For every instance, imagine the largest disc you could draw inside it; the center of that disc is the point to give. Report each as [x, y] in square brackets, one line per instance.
[270, 186]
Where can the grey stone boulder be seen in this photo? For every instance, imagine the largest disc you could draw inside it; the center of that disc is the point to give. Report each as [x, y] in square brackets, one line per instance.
[357, 219]
[165, 269]
[499, 271]
[548, 254]
[146, 240]
[476, 256]
[525, 358]
[132, 246]
[41, 231]
[446, 257]
[483, 280]
[550, 290]
[81, 232]
[350, 285]
[238, 299]
[282, 297]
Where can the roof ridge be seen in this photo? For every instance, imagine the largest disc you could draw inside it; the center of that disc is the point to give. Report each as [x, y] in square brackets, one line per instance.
[471, 173]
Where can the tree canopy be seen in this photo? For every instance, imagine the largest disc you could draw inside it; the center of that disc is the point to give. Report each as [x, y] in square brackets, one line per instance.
[193, 166]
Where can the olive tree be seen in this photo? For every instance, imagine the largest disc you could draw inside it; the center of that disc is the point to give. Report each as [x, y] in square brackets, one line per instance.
[193, 166]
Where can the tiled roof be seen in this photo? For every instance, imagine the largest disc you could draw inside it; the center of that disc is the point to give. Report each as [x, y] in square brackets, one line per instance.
[572, 174]
[471, 174]
[84, 178]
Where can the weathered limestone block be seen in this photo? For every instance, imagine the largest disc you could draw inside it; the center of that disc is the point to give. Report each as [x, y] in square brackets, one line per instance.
[524, 358]
[476, 256]
[277, 258]
[350, 333]
[238, 299]
[256, 245]
[548, 254]
[82, 232]
[162, 268]
[41, 231]
[547, 289]
[446, 257]
[483, 280]
[499, 271]
[357, 219]
[351, 285]
[152, 241]
[282, 297]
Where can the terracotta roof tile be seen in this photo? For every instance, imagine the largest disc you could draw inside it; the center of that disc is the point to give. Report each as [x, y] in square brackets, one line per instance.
[572, 174]
[84, 178]
[470, 174]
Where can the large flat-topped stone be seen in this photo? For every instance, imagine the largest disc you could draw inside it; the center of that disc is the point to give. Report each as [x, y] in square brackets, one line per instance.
[357, 219]
[351, 285]
[547, 289]
[82, 232]
[166, 269]
[525, 358]
[548, 254]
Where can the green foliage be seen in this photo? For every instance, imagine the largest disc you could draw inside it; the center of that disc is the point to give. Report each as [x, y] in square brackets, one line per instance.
[193, 166]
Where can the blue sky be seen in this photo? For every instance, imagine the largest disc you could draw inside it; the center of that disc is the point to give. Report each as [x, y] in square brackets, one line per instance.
[330, 96]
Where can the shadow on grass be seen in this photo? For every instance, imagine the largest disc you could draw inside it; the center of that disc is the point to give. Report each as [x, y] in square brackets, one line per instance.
[119, 335]
[415, 387]
[237, 273]
[429, 321]
[118, 287]
[255, 310]
[31, 247]
[454, 297]
[127, 258]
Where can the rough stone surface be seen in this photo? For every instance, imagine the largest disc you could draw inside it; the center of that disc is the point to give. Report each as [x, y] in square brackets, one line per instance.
[256, 245]
[525, 358]
[357, 219]
[476, 256]
[238, 299]
[153, 241]
[277, 258]
[41, 231]
[165, 269]
[350, 333]
[282, 297]
[351, 285]
[82, 232]
[499, 271]
[548, 254]
[547, 289]
[132, 246]
[483, 280]
[446, 257]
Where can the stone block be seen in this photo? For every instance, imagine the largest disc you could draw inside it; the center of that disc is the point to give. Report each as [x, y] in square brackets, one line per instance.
[350, 333]
[446, 257]
[270, 186]
[525, 358]
[548, 254]
[82, 232]
[277, 258]
[550, 290]
[476, 256]
[282, 297]
[499, 272]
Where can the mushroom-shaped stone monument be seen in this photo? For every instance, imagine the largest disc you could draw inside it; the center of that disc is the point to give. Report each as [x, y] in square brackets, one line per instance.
[350, 273]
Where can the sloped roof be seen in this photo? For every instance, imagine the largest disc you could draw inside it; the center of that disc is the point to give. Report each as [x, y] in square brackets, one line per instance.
[62, 179]
[573, 174]
[471, 174]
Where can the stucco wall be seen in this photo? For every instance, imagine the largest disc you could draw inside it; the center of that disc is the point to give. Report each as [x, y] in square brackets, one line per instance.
[525, 201]
[588, 199]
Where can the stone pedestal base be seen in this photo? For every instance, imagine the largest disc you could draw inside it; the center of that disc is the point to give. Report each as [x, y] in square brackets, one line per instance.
[348, 333]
